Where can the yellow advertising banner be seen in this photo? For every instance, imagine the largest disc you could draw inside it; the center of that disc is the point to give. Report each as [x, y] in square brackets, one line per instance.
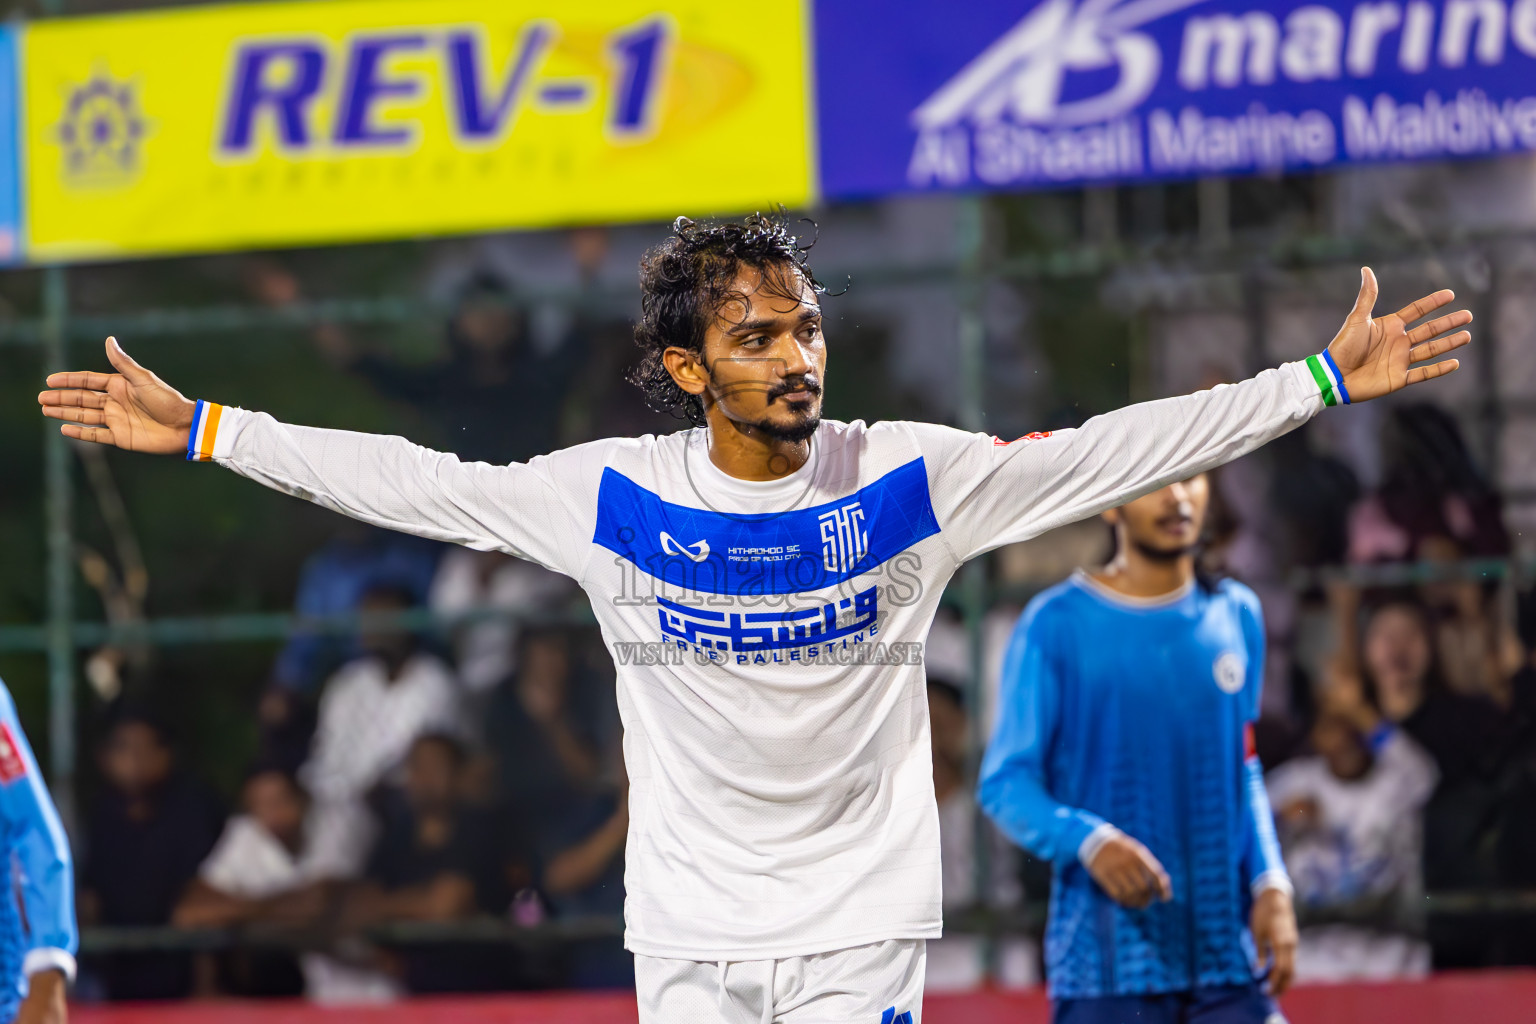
[282, 124]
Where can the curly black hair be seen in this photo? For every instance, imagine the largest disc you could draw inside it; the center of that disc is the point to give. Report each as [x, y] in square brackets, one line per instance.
[686, 281]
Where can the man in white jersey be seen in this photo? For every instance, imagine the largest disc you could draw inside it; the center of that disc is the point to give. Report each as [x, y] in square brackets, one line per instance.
[764, 581]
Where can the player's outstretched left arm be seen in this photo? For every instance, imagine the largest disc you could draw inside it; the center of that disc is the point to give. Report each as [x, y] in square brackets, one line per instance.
[1378, 355]
[988, 492]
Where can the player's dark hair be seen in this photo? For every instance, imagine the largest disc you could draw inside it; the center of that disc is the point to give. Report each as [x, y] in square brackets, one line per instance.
[687, 280]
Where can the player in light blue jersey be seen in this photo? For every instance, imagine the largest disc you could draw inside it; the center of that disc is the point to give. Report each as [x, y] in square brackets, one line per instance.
[1123, 755]
[37, 916]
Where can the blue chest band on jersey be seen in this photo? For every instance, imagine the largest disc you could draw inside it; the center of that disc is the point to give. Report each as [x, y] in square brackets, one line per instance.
[789, 552]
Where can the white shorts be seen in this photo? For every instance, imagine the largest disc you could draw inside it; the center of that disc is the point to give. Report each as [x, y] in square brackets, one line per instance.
[876, 984]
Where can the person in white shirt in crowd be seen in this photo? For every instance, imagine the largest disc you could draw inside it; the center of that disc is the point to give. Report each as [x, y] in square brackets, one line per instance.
[371, 711]
[275, 867]
[485, 650]
[1349, 818]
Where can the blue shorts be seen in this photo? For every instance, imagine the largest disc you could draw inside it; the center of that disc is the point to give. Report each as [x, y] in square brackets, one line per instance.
[1239, 1004]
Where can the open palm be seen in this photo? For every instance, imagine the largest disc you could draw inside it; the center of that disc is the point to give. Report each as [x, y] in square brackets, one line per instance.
[130, 409]
[1377, 355]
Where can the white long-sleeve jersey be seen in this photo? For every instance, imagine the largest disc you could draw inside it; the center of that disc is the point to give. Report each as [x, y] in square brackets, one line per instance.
[767, 636]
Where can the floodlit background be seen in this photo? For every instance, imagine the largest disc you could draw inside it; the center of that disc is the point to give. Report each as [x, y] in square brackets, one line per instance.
[172, 633]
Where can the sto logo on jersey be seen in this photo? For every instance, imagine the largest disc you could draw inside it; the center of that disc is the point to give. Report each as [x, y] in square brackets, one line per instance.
[844, 542]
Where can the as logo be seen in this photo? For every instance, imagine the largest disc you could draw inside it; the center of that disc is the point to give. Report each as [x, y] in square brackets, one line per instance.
[697, 551]
[102, 131]
[1023, 75]
[1228, 671]
[844, 541]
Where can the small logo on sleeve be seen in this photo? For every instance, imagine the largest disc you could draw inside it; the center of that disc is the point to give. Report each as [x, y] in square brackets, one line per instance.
[1038, 435]
[890, 1016]
[12, 765]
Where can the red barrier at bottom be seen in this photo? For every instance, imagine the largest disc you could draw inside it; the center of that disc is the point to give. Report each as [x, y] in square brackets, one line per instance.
[615, 1008]
[1481, 997]
[1487, 997]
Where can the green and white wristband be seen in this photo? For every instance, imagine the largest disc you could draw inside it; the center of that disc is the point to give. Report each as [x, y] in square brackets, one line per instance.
[1329, 380]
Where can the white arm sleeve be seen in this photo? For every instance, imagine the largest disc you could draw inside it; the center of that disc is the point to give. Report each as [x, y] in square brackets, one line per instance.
[987, 493]
[542, 510]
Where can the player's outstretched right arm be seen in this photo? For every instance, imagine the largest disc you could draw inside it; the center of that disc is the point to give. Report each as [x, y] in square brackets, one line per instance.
[522, 509]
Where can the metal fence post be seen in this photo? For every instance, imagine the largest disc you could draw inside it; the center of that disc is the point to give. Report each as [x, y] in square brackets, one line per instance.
[59, 520]
[972, 238]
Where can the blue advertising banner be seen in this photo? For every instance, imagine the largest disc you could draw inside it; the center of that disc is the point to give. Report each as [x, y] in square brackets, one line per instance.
[928, 95]
[10, 152]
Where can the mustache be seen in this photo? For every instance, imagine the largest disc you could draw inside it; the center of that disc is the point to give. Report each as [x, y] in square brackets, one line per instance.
[805, 382]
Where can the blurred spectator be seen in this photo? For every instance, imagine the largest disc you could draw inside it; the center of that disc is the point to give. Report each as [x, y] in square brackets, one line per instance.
[1349, 826]
[1478, 648]
[1435, 504]
[376, 705]
[957, 962]
[333, 582]
[1312, 494]
[485, 651]
[1297, 519]
[1469, 738]
[437, 860]
[1517, 846]
[494, 398]
[372, 710]
[546, 724]
[1463, 734]
[270, 870]
[546, 739]
[583, 854]
[1431, 487]
[150, 827]
[1473, 824]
